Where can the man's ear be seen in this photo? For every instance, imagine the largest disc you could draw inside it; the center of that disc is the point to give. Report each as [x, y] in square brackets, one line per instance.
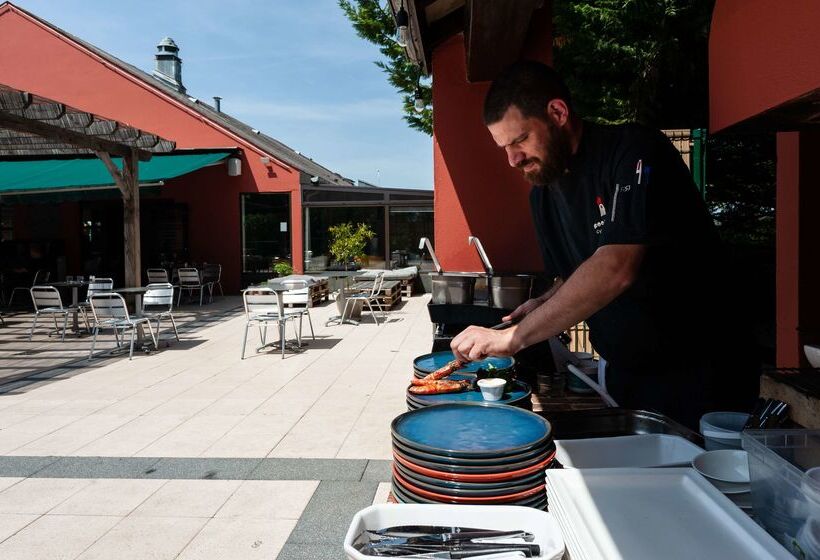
[558, 111]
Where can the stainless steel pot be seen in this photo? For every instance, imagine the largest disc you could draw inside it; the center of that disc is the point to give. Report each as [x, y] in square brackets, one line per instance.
[453, 287]
[510, 291]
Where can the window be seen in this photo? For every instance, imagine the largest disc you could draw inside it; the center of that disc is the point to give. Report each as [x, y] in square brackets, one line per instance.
[265, 231]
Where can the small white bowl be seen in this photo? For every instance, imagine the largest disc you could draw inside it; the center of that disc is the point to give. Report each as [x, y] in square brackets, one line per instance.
[812, 354]
[492, 388]
[725, 465]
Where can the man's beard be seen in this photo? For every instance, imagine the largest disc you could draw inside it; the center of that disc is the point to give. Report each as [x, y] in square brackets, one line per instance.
[555, 160]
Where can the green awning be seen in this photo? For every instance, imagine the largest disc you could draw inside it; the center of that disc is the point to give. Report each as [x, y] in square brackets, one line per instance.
[33, 176]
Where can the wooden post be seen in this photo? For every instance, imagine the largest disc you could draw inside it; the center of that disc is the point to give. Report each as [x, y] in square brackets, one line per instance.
[127, 181]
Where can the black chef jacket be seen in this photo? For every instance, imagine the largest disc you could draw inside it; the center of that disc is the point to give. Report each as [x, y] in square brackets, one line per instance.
[627, 184]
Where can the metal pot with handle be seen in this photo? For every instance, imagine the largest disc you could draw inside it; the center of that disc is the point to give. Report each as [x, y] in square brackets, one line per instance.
[506, 291]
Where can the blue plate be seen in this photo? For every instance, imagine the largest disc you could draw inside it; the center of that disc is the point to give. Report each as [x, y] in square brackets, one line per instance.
[429, 363]
[471, 430]
[461, 465]
[519, 392]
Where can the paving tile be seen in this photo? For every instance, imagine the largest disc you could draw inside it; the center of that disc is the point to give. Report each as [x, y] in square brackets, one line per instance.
[224, 539]
[327, 516]
[6, 482]
[215, 468]
[38, 495]
[382, 493]
[187, 498]
[108, 497]
[98, 467]
[145, 538]
[269, 499]
[309, 469]
[311, 551]
[56, 537]
[23, 466]
[10, 523]
[379, 471]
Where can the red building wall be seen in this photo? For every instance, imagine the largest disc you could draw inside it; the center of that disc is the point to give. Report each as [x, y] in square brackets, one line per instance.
[761, 54]
[36, 58]
[476, 191]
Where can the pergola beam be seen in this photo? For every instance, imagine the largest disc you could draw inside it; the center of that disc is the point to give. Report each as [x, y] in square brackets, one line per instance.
[95, 144]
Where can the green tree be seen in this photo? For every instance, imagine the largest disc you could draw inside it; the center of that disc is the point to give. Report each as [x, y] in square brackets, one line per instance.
[347, 242]
[375, 23]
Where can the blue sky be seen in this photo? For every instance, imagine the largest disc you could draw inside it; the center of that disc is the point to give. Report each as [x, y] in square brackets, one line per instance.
[294, 69]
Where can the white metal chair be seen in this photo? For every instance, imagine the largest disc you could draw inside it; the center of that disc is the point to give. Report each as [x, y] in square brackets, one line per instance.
[99, 285]
[157, 275]
[157, 304]
[190, 280]
[110, 312]
[368, 298]
[300, 287]
[40, 277]
[47, 301]
[263, 306]
[212, 276]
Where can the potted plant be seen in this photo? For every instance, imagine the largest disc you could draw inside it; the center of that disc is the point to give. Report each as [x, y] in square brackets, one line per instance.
[347, 242]
[282, 268]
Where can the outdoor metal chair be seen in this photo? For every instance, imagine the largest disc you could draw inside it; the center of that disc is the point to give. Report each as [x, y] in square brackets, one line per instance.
[110, 312]
[263, 306]
[47, 301]
[157, 275]
[190, 280]
[99, 285]
[368, 298]
[299, 286]
[212, 275]
[157, 304]
[40, 277]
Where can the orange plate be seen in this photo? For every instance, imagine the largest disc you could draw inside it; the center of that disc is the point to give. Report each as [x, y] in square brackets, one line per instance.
[492, 477]
[468, 500]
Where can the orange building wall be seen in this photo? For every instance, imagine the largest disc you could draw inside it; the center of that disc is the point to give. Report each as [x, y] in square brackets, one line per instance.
[476, 191]
[35, 58]
[761, 54]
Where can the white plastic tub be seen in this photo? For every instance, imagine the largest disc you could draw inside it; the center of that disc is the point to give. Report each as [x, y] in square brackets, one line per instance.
[506, 518]
[647, 450]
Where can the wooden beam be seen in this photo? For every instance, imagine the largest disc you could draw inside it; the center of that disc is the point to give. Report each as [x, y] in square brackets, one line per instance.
[32, 126]
[127, 181]
[495, 33]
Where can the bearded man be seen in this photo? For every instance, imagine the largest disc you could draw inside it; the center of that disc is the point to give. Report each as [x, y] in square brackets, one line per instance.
[633, 250]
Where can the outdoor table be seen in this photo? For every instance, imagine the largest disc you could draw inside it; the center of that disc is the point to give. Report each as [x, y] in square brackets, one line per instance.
[75, 286]
[279, 288]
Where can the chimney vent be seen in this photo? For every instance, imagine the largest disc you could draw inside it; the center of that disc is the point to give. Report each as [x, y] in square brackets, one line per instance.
[168, 65]
[217, 103]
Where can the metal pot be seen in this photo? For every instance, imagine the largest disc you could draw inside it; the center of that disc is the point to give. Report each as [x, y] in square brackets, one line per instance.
[510, 291]
[453, 287]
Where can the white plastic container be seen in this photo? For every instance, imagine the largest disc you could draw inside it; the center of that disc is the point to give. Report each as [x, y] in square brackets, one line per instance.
[808, 539]
[645, 450]
[504, 518]
[721, 430]
[492, 388]
[782, 496]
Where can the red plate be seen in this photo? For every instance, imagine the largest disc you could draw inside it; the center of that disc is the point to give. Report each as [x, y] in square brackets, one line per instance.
[503, 498]
[493, 477]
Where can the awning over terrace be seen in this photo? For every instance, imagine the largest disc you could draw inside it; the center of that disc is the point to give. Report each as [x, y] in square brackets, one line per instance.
[32, 176]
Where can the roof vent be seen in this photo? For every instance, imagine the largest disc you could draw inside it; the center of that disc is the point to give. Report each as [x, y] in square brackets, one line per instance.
[168, 65]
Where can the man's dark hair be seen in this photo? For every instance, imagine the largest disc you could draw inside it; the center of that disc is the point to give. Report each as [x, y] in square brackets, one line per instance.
[528, 85]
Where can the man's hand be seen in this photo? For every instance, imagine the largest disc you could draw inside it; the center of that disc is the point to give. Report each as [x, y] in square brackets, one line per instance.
[475, 343]
[523, 309]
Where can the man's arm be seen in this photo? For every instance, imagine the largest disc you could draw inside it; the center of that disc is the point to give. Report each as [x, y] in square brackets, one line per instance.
[599, 280]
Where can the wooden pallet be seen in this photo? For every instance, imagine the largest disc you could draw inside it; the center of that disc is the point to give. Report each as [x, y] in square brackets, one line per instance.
[390, 294]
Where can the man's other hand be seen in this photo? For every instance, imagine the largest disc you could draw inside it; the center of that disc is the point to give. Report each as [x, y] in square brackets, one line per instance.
[475, 343]
[522, 310]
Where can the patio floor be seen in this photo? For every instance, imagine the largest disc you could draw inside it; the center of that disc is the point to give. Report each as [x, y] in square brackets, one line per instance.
[222, 457]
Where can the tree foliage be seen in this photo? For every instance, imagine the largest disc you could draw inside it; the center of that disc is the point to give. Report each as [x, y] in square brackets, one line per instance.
[374, 22]
[347, 242]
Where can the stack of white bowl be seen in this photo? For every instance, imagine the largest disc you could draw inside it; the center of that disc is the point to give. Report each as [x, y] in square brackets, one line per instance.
[728, 471]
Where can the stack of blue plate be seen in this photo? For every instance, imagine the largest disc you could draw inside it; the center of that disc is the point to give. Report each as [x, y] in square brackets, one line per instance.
[428, 363]
[471, 453]
[517, 394]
